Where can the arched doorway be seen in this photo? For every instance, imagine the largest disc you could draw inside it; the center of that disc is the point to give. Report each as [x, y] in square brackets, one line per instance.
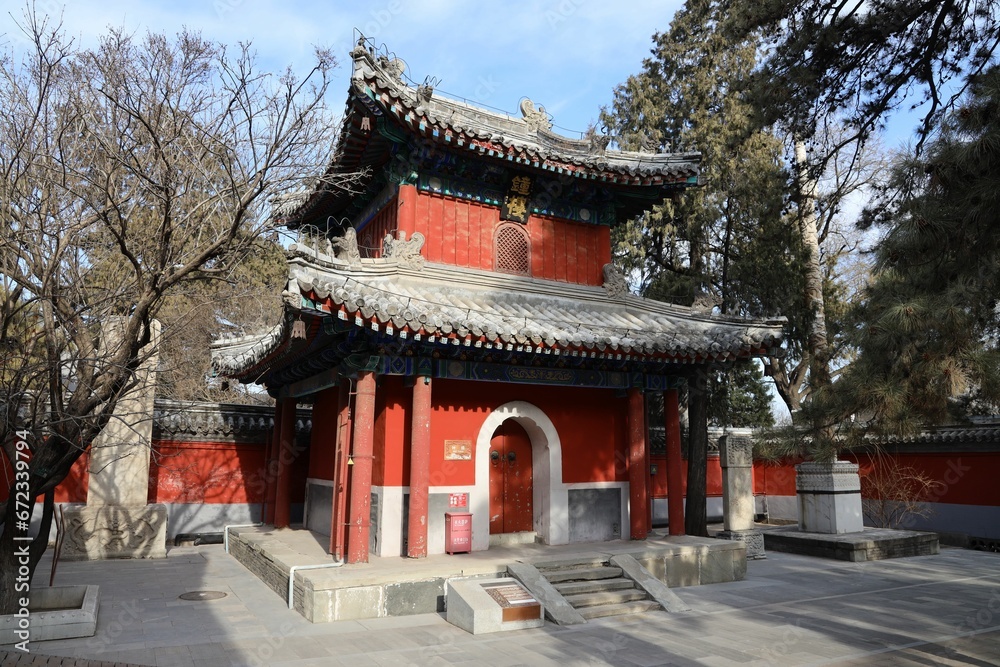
[549, 499]
[510, 479]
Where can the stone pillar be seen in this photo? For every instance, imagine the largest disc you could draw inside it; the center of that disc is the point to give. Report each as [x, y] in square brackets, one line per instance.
[420, 469]
[638, 473]
[361, 472]
[829, 497]
[286, 456]
[117, 522]
[675, 464]
[736, 457]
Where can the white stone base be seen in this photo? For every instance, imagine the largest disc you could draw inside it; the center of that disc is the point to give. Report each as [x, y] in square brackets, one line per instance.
[829, 497]
[113, 531]
[62, 612]
[752, 539]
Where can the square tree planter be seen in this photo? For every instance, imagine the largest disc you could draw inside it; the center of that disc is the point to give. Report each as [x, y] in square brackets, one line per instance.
[829, 497]
[61, 612]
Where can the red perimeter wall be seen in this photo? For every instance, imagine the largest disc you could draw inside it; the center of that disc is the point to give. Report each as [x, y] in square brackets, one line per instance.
[964, 478]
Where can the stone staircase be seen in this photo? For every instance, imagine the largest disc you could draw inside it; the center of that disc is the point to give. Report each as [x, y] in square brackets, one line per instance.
[597, 589]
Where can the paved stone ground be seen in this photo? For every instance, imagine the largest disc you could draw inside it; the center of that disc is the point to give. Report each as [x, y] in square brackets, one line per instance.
[791, 610]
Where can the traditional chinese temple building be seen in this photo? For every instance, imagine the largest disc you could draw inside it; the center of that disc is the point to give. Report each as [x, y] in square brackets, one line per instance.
[461, 334]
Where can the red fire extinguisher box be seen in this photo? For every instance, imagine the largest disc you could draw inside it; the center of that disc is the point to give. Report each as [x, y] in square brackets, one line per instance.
[457, 532]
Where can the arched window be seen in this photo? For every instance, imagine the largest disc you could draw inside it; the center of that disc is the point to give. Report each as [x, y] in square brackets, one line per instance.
[512, 251]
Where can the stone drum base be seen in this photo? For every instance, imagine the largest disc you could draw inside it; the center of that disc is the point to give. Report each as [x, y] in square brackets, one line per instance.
[752, 539]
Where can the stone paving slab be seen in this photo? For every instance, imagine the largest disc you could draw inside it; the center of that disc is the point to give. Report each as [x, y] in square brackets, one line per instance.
[791, 610]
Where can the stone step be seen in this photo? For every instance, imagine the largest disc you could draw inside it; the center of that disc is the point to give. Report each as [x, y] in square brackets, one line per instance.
[594, 586]
[600, 611]
[582, 573]
[581, 600]
[581, 560]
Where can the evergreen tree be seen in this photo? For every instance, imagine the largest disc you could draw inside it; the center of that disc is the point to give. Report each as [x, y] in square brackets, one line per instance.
[927, 327]
[739, 398]
[863, 60]
[702, 247]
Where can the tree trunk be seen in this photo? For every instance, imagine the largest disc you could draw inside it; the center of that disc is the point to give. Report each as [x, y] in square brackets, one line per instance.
[819, 368]
[696, 505]
[15, 570]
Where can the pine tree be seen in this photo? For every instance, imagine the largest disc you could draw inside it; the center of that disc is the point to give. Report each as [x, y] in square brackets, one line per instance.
[863, 61]
[927, 328]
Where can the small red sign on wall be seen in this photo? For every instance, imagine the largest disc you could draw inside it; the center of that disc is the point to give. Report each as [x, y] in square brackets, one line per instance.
[458, 500]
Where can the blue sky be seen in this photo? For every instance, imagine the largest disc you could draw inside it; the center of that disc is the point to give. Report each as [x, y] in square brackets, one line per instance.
[567, 55]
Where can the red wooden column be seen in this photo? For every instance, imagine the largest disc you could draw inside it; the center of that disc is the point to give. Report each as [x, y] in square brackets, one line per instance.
[637, 470]
[406, 215]
[286, 454]
[420, 469]
[361, 471]
[675, 480]
[338, 516]
[648, 468]
[271, 467]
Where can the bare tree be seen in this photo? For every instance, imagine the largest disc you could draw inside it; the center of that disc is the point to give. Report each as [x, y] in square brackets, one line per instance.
[128, 172]
[831, 262]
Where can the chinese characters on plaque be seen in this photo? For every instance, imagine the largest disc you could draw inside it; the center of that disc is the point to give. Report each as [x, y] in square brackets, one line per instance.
[457, 450]
[515, 204]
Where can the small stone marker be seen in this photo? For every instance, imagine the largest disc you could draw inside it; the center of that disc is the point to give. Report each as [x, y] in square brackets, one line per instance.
[492, 605]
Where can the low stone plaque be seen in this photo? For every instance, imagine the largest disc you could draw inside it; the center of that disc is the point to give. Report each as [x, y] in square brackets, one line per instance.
[517, 603]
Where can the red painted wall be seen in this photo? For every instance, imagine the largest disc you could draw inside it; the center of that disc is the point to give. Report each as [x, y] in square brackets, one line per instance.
[461, 232]
[372, 234]
[965, 478]
[590, 423]
[207, 472]
[323, 438]
[713, 480]
[200, 472]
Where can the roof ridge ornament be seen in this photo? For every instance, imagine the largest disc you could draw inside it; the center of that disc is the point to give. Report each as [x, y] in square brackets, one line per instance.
[345, 248]
[535, 119]
[406, 252]
[614, 282]
[394, 67]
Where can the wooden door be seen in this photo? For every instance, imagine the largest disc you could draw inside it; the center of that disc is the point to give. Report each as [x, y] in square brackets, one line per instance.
[510, 479]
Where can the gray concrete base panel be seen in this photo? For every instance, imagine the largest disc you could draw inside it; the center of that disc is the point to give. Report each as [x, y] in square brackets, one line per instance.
[61, 612]
[869, 544]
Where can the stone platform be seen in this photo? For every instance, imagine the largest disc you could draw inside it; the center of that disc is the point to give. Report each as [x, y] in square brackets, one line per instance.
[402, 586]
[869, 544]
